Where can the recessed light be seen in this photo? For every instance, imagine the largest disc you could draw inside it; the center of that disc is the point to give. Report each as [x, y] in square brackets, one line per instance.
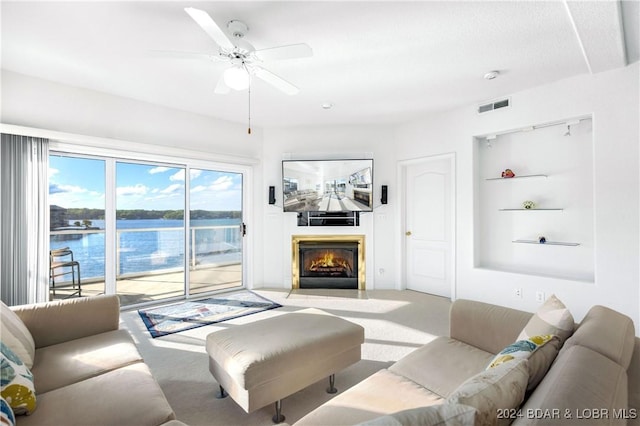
[327, 105]
[491, 75]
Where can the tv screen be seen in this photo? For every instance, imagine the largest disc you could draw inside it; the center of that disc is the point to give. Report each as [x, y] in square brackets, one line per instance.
[327, 185]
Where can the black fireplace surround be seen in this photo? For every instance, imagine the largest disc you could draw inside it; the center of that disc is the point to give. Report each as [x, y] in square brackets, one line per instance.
[332, 265]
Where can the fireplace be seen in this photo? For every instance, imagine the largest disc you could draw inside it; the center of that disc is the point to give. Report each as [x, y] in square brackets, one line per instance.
[328, 261]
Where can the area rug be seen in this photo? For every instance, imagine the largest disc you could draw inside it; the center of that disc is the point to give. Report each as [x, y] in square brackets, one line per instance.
[192, 314]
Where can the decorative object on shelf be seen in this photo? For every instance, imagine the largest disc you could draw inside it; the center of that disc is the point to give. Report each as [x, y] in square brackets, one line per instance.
[542, 239]
[528, 205]
[508, 173]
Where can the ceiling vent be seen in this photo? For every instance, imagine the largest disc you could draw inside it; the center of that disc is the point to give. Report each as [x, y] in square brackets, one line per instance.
[491, 106]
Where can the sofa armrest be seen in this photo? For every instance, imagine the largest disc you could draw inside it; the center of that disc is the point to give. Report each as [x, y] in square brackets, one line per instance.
[64, 320]
[485, 326]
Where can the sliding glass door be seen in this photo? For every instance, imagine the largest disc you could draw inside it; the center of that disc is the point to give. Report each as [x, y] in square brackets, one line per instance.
[150, 232]
[125, 223]
[215, 230]
[76, 222]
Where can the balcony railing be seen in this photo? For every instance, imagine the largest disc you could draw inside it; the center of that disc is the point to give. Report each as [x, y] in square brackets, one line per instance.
[148, 251]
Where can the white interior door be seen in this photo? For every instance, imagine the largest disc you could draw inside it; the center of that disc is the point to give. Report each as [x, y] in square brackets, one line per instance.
[429, 230]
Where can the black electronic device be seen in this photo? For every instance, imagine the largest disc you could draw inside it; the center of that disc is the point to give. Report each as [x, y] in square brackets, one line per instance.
[272, 195]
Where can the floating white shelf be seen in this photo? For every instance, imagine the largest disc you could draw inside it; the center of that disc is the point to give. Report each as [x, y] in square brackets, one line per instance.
[550, 243]
[518, 177]
[528, 210]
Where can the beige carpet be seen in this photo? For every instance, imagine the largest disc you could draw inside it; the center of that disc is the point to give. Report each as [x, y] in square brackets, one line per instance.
[395, 323]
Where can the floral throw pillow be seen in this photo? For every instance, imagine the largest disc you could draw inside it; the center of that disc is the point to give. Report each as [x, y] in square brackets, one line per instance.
[522, 349]
[16, 383]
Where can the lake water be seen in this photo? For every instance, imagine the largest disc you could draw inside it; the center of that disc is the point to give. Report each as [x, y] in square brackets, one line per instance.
[151, 244]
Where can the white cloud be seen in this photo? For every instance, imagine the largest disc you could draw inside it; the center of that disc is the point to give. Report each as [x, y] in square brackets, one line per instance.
[179, 175]
[137, 189]
[159, 169]
[53, 172]
[176, 187]
[222, 183]
[198, 188]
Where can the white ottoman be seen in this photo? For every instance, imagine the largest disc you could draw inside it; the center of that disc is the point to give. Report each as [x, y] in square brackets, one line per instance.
[260, 363]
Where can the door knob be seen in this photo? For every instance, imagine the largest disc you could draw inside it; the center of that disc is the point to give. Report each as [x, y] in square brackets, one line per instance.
[408, 233]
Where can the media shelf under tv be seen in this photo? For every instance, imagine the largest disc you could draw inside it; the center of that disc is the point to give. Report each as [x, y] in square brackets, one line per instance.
[348, 218]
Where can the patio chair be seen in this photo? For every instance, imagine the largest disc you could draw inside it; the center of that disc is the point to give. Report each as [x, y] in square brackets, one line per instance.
[61, 262]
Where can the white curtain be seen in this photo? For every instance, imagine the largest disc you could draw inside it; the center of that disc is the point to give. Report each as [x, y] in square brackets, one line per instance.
[24, 220]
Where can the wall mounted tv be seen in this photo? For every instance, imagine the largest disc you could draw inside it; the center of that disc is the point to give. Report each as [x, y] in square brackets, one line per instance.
[327, 185]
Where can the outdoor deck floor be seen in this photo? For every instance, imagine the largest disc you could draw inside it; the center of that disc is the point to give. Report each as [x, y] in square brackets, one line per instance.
[156, 287]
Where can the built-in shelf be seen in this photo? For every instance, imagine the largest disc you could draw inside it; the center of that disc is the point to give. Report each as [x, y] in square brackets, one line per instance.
[517, 177]
[549, 243]
[528, 210]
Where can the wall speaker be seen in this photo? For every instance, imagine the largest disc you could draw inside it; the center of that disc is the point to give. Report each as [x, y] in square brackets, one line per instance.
[272, 195]
[383, 194]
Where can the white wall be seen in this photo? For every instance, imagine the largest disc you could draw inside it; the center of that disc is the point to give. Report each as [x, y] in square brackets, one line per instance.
[33, 102]
[339, 142]
[611, 98]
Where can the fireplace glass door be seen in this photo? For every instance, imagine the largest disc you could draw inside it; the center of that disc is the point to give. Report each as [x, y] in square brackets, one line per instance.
[328, 265]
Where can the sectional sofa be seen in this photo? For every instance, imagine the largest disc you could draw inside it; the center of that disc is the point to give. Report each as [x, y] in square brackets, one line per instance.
[85, 369]
[483, 375]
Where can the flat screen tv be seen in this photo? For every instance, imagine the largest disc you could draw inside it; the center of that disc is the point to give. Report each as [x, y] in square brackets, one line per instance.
[327, 185]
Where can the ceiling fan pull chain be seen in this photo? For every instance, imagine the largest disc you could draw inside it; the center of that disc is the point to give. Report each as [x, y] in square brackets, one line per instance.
[249, 112]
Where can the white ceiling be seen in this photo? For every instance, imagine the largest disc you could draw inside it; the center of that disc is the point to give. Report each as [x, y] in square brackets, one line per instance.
[377, 62]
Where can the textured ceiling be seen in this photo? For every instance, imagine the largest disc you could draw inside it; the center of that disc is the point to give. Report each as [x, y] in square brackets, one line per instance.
[377, 62]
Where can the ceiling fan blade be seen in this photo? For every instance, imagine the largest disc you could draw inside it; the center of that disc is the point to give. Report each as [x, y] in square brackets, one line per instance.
[291, 51]
[209, 26]
[178, 54]
[276, 81]
[221, 87]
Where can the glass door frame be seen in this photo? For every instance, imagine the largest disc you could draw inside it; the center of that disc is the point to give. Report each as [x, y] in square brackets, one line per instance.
[111, 156]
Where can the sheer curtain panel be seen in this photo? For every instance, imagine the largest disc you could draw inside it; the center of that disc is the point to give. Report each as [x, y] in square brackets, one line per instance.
[24, 219]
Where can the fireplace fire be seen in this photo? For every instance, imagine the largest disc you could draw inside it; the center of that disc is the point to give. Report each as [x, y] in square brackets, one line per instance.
[328, 261]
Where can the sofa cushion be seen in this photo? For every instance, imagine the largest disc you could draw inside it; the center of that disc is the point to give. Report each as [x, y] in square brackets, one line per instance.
[434, 415]
[581, 382]
[539, 350]
[7, 418]
[456, 362]
[521, 349]
[16, 385]
[70, 362]
[127, 396]
[486, 326]
[552, 317]
[16, 335]
[607, 332]
[493, 391]
[382, 393]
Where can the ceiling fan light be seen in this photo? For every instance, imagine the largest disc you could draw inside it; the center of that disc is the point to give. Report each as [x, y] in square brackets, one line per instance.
[236, 78]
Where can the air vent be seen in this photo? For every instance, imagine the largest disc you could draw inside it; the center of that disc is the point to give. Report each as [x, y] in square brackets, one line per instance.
[503, 103]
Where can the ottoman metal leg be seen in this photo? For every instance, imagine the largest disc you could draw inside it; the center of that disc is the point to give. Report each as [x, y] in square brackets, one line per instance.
[221, 393]
[278, 417]
[332, 382]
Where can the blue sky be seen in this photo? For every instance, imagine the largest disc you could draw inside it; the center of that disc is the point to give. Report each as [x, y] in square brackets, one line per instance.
[80, 182]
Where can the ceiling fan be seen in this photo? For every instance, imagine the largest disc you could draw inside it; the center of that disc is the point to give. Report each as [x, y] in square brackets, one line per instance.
[243, 57]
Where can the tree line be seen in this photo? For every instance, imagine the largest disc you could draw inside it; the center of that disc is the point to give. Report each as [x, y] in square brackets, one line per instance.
[98, 214]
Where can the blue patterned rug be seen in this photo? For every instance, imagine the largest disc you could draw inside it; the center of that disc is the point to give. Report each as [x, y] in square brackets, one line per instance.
[187, 315]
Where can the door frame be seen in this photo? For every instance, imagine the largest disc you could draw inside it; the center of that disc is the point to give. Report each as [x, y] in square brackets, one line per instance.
[401, 246]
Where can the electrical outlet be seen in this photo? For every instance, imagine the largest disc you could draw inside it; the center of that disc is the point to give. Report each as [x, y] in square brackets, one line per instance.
[518, 293]
[540, 296]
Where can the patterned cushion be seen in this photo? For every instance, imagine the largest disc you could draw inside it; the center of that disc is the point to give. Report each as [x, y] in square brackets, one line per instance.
[6, 414]
[522, 349]
[493, 391]
[16, 384]
[16, 335]
[539, 350]
[433, 415]
[552, 317]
